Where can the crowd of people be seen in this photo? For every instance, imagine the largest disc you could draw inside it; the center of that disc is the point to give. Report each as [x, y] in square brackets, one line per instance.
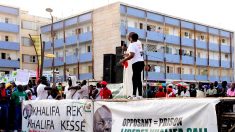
[12, 96]
[191, 90]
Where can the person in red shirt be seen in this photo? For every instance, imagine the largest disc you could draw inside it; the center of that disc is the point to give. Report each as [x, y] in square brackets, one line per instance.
[160, 92]
[170, 93]
[105, 93]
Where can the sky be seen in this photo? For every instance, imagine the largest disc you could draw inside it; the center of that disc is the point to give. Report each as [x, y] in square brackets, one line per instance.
[218, 13]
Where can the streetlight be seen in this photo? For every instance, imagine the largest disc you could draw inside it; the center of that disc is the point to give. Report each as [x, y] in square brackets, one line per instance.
[53, 46]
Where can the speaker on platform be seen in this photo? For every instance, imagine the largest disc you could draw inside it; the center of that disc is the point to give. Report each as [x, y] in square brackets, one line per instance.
[108, 68]
[118, 70]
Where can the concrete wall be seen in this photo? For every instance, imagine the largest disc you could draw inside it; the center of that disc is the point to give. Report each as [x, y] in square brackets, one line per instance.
[106, 34]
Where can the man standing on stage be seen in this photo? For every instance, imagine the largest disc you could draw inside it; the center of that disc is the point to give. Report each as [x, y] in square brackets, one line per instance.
[135, 54]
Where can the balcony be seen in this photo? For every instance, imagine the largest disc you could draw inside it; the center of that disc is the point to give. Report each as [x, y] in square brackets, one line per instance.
[140, 32]
[213, 47]
[187, 42]
[173, 76]
[201, 61]
[72, 59]
[201, 44]
[7, 27]
[225, 78]
[187, 77]
[85, 76]
[71, 40]
[225, 64]
[5, 45]
[155, 56]
[9, 10]
[9, 63]
[155, 17]
[225, 48]
[154, 36]
[188, 60]
[172, 58]
[135, 12]
[214, 63]
[201, 77]
[171, 39]
[153, 76]
[214, 78]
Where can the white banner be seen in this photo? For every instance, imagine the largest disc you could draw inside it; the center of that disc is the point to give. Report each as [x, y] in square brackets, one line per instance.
[163, 115]
[22, 77]
[57, 116]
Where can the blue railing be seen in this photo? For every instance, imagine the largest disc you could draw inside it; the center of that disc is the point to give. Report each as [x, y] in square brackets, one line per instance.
[187, 77]
[213, 46]
[201, 77]
[154, 36]
[225, 48]
[9, 45]
[155, 56]
[173, 76]
[156, 76]
[214, 63]
[187, 60]
[71, 40]
[140, 32]
[7, 27]
[187, 42]
[201, 44]
[9, 63]
[201, 61]
[225, 64]
[225, 78]
[71, 59]
[9, 10]
[172, 58]
[214, 78]
[171, 39]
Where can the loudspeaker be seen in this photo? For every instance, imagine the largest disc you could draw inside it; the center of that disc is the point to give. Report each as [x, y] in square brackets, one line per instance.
[118, 70]
[108, 68]
[119, 50]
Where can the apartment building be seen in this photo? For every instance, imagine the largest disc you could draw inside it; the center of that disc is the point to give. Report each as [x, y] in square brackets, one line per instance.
[16, 50]
[9, 39]
[175, 48]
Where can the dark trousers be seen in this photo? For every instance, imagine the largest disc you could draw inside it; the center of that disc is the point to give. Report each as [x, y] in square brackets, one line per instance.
[4, 109]
[18, 117]
[136, 78]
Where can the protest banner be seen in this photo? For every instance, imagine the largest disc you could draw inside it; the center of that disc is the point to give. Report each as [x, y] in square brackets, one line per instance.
[57, 116]
[163, 115]
[22, 77]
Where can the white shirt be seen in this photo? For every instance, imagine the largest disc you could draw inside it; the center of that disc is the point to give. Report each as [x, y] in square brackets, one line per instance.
[84, 92]
[136, 47]
[42, 94]
[72, 93]
[186, 94]
[200, 94]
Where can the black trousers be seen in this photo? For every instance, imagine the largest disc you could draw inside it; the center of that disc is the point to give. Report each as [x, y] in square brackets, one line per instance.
[136, 78]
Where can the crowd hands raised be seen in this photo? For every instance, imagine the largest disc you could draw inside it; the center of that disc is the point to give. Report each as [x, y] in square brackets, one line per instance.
[191, 90]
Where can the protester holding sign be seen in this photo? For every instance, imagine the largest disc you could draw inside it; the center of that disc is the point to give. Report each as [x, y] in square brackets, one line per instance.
[18, 97]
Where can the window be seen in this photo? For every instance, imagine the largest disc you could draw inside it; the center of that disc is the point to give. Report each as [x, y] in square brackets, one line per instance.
[79, 30]
[3, 55]
[26, 41]
[141, 26]
[178, 70]
[169, 69]
[88, 48]
[6, 38]
[29, 25]
[136, 25]
[168, 50]
[89, 69]
[223, 41]
[33, 59]
[190, 53]
[186, 34]
[6, 20]
[198, 54]
[88, 28]
[190, 71]
[151, 27]
[226, 56]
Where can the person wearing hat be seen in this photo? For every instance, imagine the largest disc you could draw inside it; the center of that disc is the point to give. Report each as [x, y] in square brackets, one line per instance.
[160, 92]
[184, 92]
[170, 93]
[105, 93]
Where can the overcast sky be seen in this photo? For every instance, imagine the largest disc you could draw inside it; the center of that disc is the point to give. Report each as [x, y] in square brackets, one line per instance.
[219, 13]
